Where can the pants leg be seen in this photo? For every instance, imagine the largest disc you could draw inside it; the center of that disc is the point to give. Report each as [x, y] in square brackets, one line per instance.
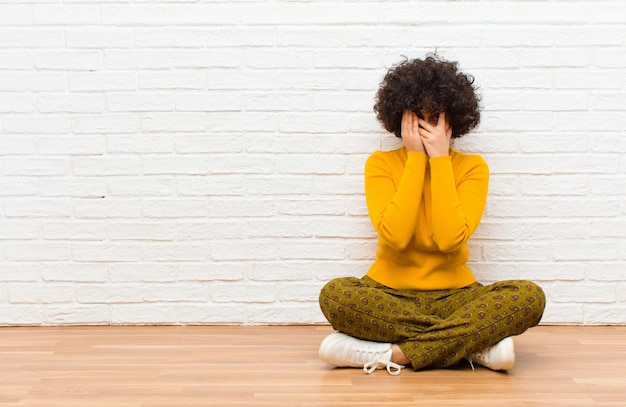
[436, 328]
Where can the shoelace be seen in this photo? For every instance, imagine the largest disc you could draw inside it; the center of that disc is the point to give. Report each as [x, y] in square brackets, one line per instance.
[478, 357]
[369, 367]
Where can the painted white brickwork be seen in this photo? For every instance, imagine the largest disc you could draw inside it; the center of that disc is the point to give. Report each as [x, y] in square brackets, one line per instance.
[192, 161]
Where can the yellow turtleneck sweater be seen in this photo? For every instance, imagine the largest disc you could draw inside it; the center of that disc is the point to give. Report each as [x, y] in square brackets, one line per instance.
[424, 211]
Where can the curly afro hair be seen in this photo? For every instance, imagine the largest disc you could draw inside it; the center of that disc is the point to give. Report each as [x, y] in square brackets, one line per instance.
[432, 85]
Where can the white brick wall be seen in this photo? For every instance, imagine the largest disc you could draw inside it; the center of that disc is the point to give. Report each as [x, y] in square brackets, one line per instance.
[198, 161]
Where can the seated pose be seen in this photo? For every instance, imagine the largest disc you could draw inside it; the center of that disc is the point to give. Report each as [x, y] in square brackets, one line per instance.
[419, 304]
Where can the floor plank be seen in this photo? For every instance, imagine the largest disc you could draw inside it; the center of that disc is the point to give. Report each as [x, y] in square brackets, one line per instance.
[165, 366]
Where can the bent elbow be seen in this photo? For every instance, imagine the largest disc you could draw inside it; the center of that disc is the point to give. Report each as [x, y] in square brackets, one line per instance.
[451, 245]
[397, 245]
[396, 242]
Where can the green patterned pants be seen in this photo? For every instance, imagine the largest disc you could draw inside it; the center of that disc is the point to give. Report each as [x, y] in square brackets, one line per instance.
[432, 328]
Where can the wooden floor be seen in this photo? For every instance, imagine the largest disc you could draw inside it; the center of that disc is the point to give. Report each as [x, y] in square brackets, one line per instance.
[278, 366]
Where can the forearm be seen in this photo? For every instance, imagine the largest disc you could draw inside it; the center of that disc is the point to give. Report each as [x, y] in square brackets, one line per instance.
[457, 206]
[394, 211]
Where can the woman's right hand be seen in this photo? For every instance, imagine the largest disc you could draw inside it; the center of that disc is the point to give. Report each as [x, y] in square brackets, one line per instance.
[410, 132]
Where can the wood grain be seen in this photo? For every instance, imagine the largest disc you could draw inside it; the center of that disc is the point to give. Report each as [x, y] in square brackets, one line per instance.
[165, 366]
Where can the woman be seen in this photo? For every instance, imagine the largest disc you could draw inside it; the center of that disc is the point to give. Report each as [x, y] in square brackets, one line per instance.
[419, 304]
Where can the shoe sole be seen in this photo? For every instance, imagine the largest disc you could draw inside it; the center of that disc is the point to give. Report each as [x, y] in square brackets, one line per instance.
[506, 348]
[329, 341]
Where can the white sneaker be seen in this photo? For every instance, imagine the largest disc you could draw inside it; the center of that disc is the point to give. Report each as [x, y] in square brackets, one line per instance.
[500, 356]
[341, 350]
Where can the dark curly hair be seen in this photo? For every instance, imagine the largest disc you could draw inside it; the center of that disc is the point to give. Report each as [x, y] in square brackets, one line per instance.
[432, 85]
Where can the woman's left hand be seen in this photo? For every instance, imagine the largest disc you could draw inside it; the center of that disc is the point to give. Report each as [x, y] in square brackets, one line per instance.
[436, 138]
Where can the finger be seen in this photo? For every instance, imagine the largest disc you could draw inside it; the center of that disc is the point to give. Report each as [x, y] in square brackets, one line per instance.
[415, 123]
[445, 124]
[425, 127]
[405, 124]
[441, 121]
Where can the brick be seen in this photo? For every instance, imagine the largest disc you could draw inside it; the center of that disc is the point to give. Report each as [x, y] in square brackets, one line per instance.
[92, 36]
[170, 122]
[311, 207]
[77, 315]
[15, 14]
[206, 58]
[212, 314]
[106, 165]
[299, 313]
[517, 251]
[606, 271]
[271, 58]
[596, 250]
[209, 230]
[235, 292]
[105, 124]
[174, 208]
[167, 14]
[55, 230]
[308, 164]
[229, 79]
[279, 185]
[20, 272]
[74, 187]
[66, 15]
[140, 102]
[603, 314]
[187, 80]
[313, 123]
[223, 185]
[144, 314]
[31, 37]
[246, 250]
[68, 60]
[222, 271]
[176, 164]
[140, 186]
[239, 122]
[105, 252]
[19, 230]
[19, 186]
[233, 36]
[546, 185]
[144, 144]
[279, 228]
[16, 60]
[215, 102]
[102, 81]
[169, 38]
[592, 78]
[18, 314]
[317, 13]
[36, 124]
[147, 231]
[37, 208]
[55, 103]
[563, 314]
[122, 59]
[313, 249]
[142, 272]
[361, 250]
[327, 79]
[70, 273]
[40, 293]
[587, 293]
[238, 208]
[69, 145]
[175, 292]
